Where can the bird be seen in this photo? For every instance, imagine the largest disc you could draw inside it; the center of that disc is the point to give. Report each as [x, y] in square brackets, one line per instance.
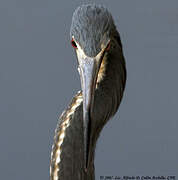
[102, 69]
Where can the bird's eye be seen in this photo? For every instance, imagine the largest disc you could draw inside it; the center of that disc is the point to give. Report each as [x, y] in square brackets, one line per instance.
[108, 46]
[73, 43]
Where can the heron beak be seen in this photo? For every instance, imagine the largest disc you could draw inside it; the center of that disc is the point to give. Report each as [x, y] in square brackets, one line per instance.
[88, 69]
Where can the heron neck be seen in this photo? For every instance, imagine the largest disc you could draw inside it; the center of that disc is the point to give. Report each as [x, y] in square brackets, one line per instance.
[67, 159]
[67, 155]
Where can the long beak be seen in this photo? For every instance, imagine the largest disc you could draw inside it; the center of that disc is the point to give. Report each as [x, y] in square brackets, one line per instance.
[88, 69]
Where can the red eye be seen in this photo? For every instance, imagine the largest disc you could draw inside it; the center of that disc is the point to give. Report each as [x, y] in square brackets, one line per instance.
[108, 46]
[73, 43]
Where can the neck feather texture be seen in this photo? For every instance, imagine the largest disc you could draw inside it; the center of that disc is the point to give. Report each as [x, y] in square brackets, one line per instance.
[67, 161]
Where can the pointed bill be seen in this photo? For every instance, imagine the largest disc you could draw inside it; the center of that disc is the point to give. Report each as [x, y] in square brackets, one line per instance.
[88, 69]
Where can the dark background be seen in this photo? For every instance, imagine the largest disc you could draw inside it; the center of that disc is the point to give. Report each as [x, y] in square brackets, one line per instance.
[38, 77]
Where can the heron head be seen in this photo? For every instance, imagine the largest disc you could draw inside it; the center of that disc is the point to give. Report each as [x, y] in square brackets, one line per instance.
[91, 31]
[91, 28]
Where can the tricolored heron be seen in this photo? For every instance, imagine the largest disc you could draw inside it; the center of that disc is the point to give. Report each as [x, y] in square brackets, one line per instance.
[102, 72]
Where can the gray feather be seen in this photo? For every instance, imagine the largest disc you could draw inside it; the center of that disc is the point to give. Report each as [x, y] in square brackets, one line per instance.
[91, 25]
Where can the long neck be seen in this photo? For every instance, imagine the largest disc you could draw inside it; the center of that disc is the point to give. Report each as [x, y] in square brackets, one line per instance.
[67, 160]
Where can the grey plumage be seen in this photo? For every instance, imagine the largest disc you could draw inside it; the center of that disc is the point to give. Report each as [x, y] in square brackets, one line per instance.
[91, 27]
